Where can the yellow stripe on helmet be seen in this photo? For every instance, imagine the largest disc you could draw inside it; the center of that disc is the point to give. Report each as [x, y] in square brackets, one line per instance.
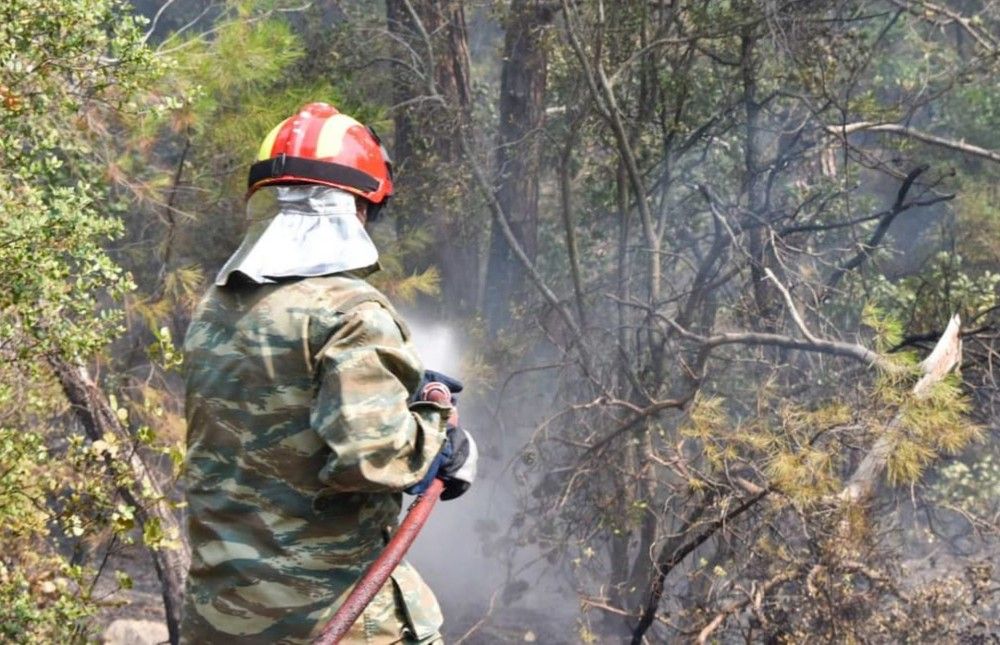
[265, 147]
[331, 136]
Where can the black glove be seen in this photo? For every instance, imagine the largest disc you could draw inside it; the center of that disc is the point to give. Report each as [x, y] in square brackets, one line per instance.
[455, 465]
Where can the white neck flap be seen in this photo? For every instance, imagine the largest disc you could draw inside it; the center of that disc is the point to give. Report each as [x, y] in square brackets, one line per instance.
[300, 231]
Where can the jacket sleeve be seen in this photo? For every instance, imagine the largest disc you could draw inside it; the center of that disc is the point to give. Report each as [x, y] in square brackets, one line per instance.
[366, 372]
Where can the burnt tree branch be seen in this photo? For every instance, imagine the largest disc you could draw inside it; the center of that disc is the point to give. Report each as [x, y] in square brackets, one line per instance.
[675, 551]
[879, 233]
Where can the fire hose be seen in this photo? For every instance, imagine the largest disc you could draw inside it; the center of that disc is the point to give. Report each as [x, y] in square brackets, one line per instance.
[378, 572]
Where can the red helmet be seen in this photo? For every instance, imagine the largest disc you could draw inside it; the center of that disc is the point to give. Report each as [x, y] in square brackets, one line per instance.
[319, 145]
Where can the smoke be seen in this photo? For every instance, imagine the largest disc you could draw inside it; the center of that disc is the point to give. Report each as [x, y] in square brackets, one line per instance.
[438, 346]
[463, 552]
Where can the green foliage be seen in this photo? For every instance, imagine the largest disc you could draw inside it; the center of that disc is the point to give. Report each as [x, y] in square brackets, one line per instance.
[888, 330]
[395, 256]
[800, 466]
[230, 113]
[184, 162]
[406, 287]
[978, 224]
[164, 351]
[62, 64]
[42, 597]
[708, 423]
[948, 285]
[67, 70]
[930, 425]
[42, 610]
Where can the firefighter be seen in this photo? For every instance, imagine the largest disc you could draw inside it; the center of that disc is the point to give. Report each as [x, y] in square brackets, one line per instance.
[303, 427]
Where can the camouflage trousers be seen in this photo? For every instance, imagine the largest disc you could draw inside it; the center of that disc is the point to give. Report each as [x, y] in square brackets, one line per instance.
[385, 621]
[394, 616]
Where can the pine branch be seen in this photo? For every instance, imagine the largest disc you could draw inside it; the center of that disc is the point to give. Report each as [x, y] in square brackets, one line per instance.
[946, 355]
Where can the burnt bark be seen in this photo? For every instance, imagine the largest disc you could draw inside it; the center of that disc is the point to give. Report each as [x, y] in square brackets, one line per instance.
[754, 185]
[418, 127]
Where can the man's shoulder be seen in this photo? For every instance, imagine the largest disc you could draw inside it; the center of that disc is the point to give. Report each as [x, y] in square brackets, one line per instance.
[332, 293]
[343, 299]
[342, 292]
[315, 306]
[358, 304]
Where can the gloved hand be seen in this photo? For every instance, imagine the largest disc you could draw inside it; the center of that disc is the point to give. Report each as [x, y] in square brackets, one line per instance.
[453, 384]
[430, 389]
[455, 465]
[458, 471]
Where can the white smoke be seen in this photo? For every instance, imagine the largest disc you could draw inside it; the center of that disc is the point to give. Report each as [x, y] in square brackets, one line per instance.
[438, 347]
[454, 551]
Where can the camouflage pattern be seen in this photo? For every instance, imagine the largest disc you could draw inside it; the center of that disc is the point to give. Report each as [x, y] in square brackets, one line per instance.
[300, 436]
[386, 619]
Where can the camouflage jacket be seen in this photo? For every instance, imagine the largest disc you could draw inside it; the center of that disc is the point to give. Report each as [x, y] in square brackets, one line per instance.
[300, 437]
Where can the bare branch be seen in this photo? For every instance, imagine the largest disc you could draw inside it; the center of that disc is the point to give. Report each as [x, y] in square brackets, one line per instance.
[428, 45]
[756, 598]
[792, 309]
[156, 19]
[913, 133]
[819, 345]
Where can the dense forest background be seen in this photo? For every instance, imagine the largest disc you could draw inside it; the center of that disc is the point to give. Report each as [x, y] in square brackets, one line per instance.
[690, 256]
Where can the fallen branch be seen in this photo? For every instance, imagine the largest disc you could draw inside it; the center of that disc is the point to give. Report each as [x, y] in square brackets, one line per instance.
[819, 345]
[756, 597]
[675, 551]
[810, 343]
[482, 621]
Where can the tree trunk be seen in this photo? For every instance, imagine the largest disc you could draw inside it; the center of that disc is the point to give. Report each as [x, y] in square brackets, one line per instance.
[522, 113]
[98, 418]
[425, 139]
